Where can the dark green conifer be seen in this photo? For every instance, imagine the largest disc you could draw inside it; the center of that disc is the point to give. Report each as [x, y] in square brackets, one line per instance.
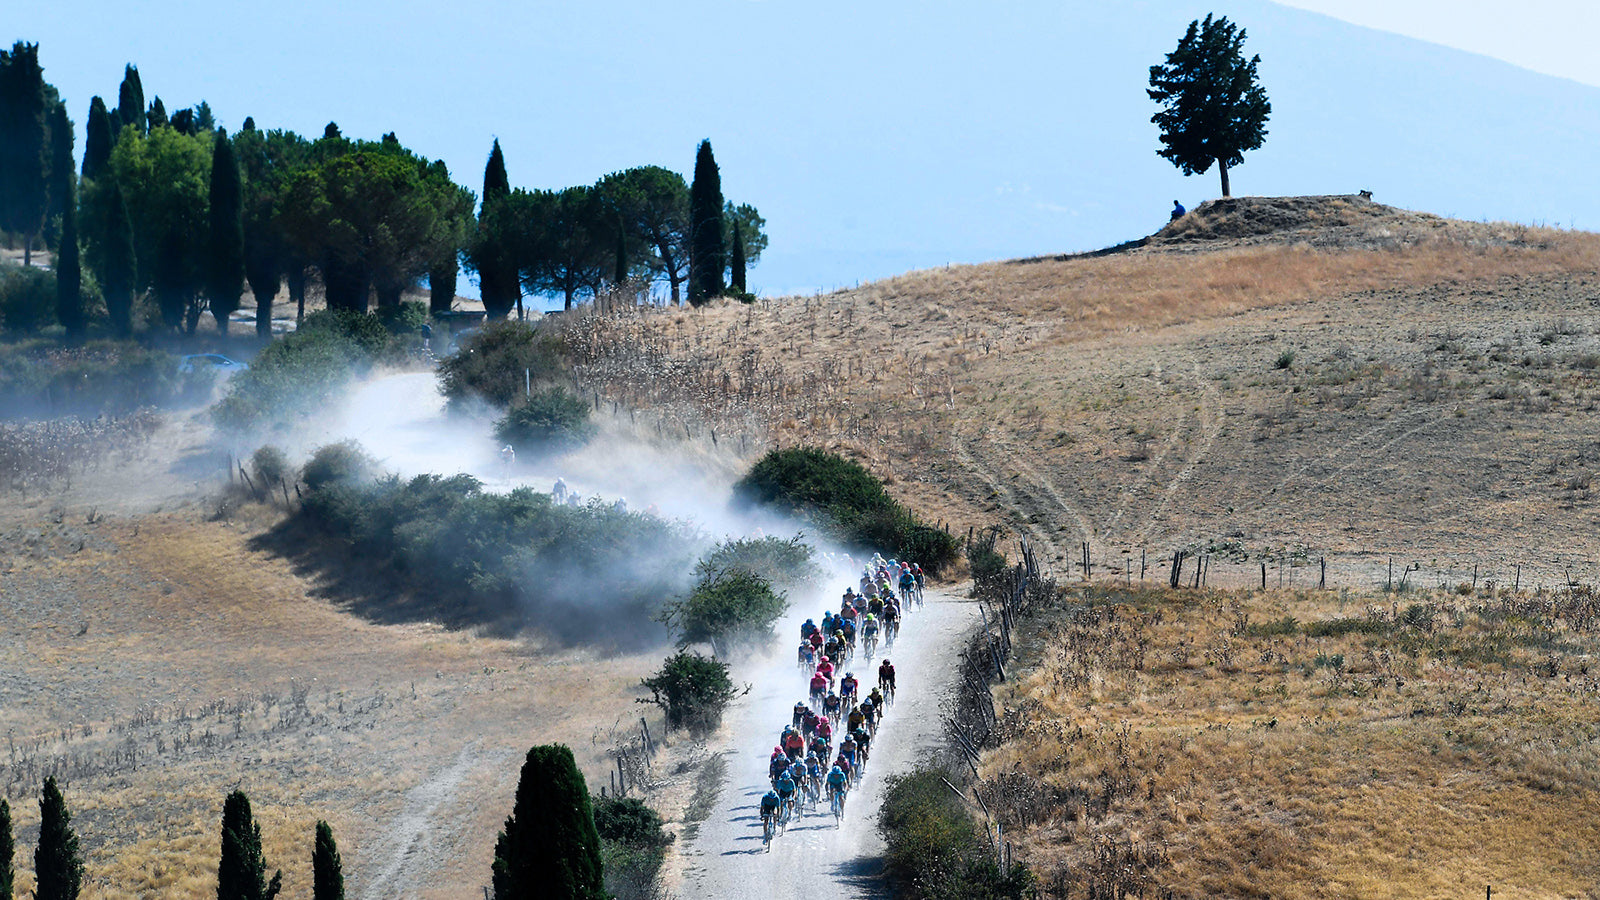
[491, 248]
[97, 143]
[118, 263]
[130, 101]
[327, 872]
[225, 259]
[69, 271]
[24, 157]
[707, 257]
[241, 875]
[8, 852]
[158, 114]
[549, 847]
[56, 864]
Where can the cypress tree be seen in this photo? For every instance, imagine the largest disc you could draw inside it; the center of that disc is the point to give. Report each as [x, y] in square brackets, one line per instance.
[23, 154]
[737, 268]
[249, 124]
[327, 872]
[331, 132]
[118, 262]
[707, 258]
[241, 875]
[130, 101]
[97, 143]
[61, 168]
[158, 114]
[69, 272]
[56, 863]
[225, 261]
[549, 847]
[497, 275]
[8, 850]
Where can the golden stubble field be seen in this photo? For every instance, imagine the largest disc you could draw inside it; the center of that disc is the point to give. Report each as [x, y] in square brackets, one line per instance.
[1304, 744]
[156, 662]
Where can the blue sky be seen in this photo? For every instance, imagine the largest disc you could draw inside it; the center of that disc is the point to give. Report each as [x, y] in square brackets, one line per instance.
[878, 138]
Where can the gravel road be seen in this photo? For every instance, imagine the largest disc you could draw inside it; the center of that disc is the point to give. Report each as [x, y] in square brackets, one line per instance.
[813, 858]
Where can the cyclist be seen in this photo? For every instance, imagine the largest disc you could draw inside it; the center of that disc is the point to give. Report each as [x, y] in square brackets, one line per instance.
[806, 628]
[769, 807]
[794, 744]
[855, 719]
[800, 710]
[847, 766]
[820, 745]
[875, 606]
[848, 687]
[825, 723]
[828, 625]
[838, 782]
[848, 749]
[785, 787]
[849, 632]
[807, 655]
[869, 628]
[814, 773]
[891, 618]
[863, 739]
[908, 583]
[835, 645]
[847, 613]
[825, 669]
[808, 721]
[849, 597]
[876, 696]
[777, 764]
[886, 675]
[870, 710]
[831, 705]
[819, 683]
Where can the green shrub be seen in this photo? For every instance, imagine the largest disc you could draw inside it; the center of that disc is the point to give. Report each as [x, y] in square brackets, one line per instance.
[693, 690]
[27, 298]
[407, 318]
[551, 419]
[497, 363]
[1285, 360]
[1338, 627]
[780, 561]
[846, 501]
[935, 849]
[632, 846]
[627, 820]
[341, 463]
[988, 566]
[589, 574]
[727, 608]
[303, 372]
[270, 465]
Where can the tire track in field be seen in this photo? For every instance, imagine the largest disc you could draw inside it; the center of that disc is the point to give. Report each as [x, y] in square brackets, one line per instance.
[411, 851]
[1209, 420]
[1031, 514]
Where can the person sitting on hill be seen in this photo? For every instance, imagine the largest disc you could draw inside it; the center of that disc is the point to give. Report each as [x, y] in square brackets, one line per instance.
[1177, 211]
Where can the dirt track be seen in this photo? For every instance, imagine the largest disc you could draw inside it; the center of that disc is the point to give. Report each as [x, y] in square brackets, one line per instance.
[814, 859]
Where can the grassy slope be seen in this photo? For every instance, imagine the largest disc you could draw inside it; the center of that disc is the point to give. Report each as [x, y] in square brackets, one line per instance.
[1279, 381]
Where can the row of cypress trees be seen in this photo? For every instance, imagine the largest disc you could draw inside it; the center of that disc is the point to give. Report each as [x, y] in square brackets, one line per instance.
[241, 873]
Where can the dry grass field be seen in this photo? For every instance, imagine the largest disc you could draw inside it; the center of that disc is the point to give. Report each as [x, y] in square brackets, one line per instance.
[1305, 744]
[155, 662]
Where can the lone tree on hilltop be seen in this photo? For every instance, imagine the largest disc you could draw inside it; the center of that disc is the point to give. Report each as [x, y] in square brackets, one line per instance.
[707, 256]
[56, 863]
[241, 874]
[1212, 108]
[549, 848]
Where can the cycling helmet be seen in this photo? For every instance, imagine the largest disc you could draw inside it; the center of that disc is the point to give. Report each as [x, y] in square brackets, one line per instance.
[823, 659]
[850, 675]
[887, 663]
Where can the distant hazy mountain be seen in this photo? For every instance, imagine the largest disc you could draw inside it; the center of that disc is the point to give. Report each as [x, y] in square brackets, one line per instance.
[875, 137]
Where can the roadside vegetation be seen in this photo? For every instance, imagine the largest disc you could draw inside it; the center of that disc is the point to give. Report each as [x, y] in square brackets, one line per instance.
[846, 503]
[936, 849]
